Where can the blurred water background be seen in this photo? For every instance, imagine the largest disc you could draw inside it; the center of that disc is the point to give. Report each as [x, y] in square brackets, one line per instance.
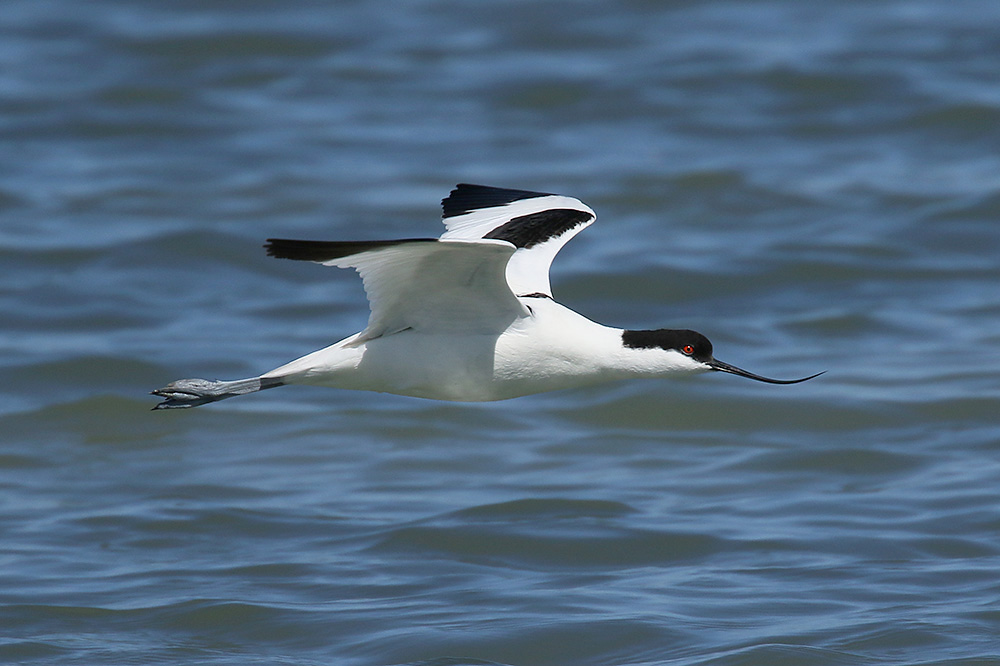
[813, 185]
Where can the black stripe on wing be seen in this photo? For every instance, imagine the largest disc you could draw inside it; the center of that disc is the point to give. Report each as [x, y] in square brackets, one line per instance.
[466, 198]
[284, 248]
[530, 230]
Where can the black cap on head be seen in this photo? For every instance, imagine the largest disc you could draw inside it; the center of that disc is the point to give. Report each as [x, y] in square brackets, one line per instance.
[689, 343]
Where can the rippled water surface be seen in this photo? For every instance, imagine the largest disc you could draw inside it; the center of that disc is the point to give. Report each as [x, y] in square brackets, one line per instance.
[815, 186]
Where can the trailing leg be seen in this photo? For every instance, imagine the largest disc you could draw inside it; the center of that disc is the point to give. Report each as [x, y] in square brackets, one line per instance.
[193, 392]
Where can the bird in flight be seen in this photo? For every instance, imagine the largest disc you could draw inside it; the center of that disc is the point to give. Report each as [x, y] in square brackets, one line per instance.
[470, 316]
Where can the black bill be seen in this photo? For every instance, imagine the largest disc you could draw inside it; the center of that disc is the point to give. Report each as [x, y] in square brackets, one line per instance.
[733, 370]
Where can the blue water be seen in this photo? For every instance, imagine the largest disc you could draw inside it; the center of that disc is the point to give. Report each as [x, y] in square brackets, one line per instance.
[815, 186]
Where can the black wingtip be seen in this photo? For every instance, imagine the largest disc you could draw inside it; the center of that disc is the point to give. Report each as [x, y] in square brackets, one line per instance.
[320, 251]
[466, 198]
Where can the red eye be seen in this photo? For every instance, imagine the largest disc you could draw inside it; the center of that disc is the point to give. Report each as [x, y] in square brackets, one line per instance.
[687, 349]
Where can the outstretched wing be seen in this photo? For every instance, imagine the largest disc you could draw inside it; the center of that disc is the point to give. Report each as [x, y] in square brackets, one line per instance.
[423, 284]
[535, 223]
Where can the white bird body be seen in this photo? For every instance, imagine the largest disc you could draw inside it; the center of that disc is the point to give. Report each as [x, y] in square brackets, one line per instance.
[470, 317]
[533, 355]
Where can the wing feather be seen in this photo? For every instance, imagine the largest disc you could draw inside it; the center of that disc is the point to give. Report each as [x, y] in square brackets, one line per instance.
[498, 244]
[325, 251]
[536, 223]
[422, 284]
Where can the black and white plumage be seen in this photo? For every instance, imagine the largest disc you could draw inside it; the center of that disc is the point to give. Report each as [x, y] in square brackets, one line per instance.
[470, 316]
